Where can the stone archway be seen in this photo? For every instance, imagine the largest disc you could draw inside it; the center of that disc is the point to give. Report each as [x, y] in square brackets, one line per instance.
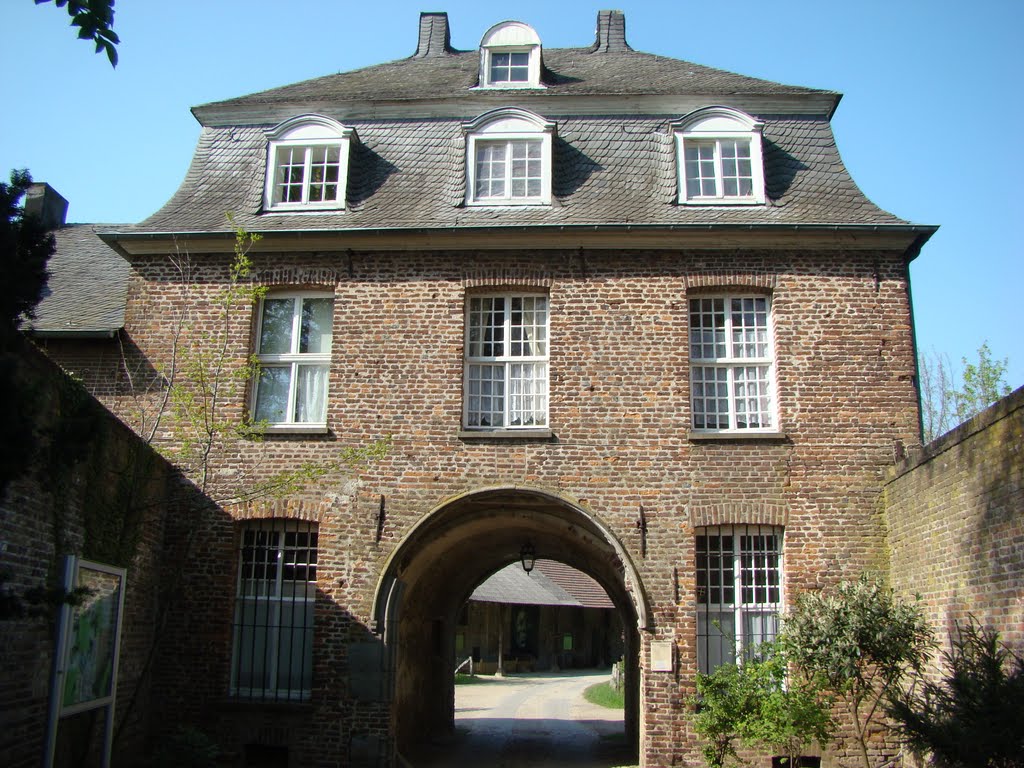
[440, 561]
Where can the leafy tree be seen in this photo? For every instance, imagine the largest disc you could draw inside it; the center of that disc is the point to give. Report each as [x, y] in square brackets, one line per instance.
[857, 642]
[755, 703]
[95, 21]
[25, 247]
[944, 405]
[974, 716]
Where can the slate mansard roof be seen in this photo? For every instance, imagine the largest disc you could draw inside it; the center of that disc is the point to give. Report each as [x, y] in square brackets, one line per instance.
[613, 157]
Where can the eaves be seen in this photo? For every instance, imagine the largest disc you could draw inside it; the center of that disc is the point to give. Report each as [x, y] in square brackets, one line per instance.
[908, 238]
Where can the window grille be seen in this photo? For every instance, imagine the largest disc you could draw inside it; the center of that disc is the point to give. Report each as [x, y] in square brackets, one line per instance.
[276, 595]
[739, 592]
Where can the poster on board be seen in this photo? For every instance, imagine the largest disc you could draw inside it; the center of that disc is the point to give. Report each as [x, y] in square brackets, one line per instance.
[87, 650]
[95, 625]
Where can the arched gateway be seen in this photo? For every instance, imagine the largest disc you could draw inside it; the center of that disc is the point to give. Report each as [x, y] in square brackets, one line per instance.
[457, 545]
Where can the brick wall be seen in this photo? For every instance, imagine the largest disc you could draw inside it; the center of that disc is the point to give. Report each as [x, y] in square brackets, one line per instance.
[955, 514]
[95, 490]
[619, 412]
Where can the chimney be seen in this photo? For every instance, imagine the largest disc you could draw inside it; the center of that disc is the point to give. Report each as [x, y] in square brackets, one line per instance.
[611, 32]
[44, 202]
[435, 39]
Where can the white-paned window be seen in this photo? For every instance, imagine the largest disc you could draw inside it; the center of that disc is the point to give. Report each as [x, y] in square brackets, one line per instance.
[720, 158]
[294, 354]
[508, 160]
[272, 656]
[508, 170]
[506, 349]
[307, 164]
[739, 591]
[731, 364]
[510, 55]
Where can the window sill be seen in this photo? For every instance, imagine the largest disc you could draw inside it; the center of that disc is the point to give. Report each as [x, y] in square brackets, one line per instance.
[509, 86]
[512, 203]
[696, 435]
[295, 429]
[303, 209]
[744, 201]
[279, 705]
[505, 434]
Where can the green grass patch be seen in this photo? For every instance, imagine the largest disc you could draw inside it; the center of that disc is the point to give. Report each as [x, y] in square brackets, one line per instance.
[461, 679]
[604, 695]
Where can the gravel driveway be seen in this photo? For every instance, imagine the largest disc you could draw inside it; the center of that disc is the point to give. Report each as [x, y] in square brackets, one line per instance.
[532, 721]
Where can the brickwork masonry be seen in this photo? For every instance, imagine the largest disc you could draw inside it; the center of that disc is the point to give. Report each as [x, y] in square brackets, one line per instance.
[955, 517]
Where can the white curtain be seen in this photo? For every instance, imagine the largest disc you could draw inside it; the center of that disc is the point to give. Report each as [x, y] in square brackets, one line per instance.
[311, 398]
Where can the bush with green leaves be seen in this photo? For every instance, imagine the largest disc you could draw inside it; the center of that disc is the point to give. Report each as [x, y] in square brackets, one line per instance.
[757, 705]
[974, 716]
[857, 643]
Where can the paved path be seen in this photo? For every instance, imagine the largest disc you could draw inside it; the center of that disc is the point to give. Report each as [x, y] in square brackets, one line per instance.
[532, 721]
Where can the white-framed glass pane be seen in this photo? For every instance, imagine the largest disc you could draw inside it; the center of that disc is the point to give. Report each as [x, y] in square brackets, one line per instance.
[528, 324]
[737, 177]
[510, 67]
[486, 396]
[272, 393]
[733, 333]
[491, 169]
[525, 171]
[316, 325]
[528, 395]
[311, 397]
[486, 327]
[289, 177]
[710, 396]
[751, 390]
[324, 172]
[276, 326]
[707, 328]
[749, 317]
[506, 361]
[699, 162]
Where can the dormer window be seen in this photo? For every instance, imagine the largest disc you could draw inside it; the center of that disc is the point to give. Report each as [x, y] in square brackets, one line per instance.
[510, 56]
[307, 164]
[719, 158]
[508, 158]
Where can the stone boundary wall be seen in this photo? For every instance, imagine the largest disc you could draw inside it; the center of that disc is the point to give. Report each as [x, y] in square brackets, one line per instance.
[94, 489]
[955, 516]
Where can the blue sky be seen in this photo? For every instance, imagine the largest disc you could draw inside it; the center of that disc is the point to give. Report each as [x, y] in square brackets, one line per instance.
[932, 98]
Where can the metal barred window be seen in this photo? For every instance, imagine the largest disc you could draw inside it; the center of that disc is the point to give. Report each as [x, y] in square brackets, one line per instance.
[506, 362]
[739, 591]
[273, 630]
[731, 364]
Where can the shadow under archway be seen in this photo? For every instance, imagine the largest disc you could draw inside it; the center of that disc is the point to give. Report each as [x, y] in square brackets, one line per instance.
[434, 570]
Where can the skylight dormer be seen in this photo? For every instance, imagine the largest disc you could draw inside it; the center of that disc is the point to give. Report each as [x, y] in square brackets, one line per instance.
[510, 56]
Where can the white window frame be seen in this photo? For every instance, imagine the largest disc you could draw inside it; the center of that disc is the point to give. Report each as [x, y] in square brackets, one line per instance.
[510, 37]
[270, 598]
[307, 134]
[508, 126]
[293, 360]
[711, 126]
[507, 361]
[732, 369]
[753, 572]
